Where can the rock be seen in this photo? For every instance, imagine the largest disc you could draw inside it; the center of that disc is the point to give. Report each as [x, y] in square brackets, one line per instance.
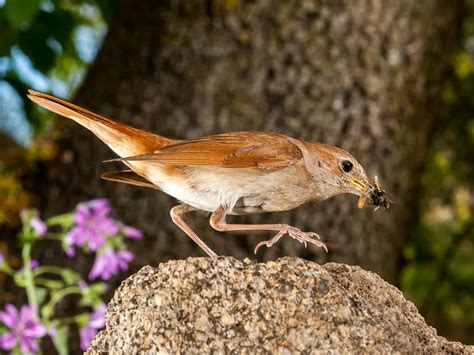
[224, 305]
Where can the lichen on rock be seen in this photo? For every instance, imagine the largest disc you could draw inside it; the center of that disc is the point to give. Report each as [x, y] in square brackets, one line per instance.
[224, 305]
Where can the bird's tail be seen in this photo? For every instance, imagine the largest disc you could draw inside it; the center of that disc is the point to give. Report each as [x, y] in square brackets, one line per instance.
[123, 140]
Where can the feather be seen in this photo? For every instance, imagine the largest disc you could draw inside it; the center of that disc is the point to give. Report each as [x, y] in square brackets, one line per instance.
[230, 150]
[128, 177]
[122, 139]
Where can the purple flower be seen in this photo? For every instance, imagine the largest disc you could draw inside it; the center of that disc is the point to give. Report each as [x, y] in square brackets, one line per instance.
[39, 226]
[132, 233]
[30, 217]
[69, 250]
[89, 331]
[109, 263]
[2, 258]
[93, 225]
[86, 335]
[33, 265]
[24, 329]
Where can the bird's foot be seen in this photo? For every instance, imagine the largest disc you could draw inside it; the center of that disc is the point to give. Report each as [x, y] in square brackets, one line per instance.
[295, 233]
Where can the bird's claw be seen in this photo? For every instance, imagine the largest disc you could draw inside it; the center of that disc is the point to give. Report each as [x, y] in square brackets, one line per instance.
[295, 233]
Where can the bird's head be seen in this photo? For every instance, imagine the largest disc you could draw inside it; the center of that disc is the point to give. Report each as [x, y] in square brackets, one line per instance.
[340, 173]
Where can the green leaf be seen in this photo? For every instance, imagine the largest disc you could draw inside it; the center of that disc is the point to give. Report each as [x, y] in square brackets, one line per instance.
[47, 311]
[64, 220]
[21, 12]
[3, 329]
[52, 284]
[60, 340]
[70, 277]
[34, 41]
[41, 294]
[91, 295]
[8, 34]
[34, 44]
[108, 8]
[82, 319]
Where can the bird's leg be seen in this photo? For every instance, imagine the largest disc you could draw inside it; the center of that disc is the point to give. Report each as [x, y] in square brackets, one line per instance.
[177, 213]
[219, 223]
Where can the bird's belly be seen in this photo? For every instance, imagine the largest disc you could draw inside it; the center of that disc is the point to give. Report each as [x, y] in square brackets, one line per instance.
[240, 190]
[206, 197]
[205, 201]
[173, 182]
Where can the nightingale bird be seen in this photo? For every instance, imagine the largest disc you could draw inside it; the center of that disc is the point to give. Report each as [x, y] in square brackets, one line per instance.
[236, 173]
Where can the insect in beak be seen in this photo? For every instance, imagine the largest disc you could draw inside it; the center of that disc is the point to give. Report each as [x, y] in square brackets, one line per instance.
[361, 201]
[365, 189]
[376, 194]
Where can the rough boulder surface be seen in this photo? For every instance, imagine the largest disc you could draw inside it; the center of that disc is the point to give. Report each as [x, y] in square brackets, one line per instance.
[224, 305]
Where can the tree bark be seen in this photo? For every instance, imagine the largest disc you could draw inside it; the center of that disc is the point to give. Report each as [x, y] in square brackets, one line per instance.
[365, 76]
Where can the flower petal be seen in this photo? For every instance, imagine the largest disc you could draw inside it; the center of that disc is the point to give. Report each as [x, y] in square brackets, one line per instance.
[35, 330]
[28, 345]
[109, 263]
[39, 226]
[7, 341]
[10, 316]
[27, 313]
[97, 318]
[98, 267]
[96, 239]
[132, 232]
[70, 252]
[99, 207]
[77, 235]
[86, 335]
[125, 255]
[81, 214]
[107, 226]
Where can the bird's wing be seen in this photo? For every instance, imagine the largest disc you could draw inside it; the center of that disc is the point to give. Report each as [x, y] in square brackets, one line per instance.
[128, 177]
[230, 150]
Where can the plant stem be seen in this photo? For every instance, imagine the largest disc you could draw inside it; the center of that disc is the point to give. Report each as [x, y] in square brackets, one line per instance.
[29, 282]
[51, 284]
[8, 270]
[48, 269]
[73, 319]
[63, 293]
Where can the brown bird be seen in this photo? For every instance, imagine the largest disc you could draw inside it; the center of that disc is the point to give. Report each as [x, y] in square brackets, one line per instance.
[235, 173]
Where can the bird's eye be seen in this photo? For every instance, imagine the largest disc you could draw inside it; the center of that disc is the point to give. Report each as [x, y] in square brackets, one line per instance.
[346, 166]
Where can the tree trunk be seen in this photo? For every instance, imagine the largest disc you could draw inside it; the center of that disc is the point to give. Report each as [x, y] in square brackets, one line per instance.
[363, 76]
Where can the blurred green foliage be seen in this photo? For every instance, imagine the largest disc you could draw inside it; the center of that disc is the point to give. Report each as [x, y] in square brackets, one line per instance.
[439, 277]
[42, 46]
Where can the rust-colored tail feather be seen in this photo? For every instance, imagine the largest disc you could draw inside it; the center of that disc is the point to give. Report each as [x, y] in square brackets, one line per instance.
[123, 140]
[128, 177]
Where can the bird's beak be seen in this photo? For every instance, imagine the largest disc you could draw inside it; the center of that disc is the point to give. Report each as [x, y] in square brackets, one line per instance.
[360, 185]
[363, 188]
